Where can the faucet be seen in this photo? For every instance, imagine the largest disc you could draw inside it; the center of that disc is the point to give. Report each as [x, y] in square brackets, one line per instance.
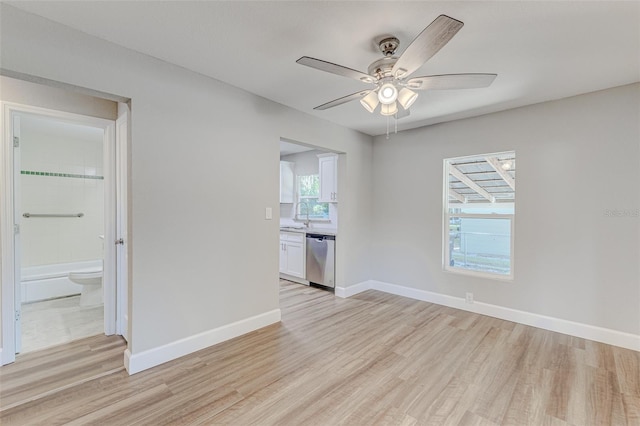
[306, 222]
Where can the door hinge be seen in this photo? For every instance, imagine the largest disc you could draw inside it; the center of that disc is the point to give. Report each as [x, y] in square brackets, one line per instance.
[16, 142]
[18, 315]
[16, 229]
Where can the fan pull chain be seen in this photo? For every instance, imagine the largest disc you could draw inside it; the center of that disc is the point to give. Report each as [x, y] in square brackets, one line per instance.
[387, 127]
[396, 123]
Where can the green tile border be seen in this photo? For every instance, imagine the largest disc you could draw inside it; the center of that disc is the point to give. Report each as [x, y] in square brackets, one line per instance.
[67, 175]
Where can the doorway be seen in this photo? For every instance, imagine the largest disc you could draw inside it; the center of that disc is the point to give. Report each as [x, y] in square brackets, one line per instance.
[60, 204]
[60, 191]
[308, 213]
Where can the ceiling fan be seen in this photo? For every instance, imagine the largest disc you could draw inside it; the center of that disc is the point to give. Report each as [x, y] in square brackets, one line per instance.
[391, 74]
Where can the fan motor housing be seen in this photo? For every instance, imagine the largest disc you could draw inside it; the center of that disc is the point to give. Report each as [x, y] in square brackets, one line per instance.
[388, 46]
[382, 67]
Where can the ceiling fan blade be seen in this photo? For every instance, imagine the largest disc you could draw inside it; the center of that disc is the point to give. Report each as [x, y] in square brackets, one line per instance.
[335, 69]
[343, 100]
[451, 81]
[428, 43]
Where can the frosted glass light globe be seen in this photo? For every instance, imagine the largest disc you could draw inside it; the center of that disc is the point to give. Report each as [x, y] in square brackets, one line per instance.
[387, 94]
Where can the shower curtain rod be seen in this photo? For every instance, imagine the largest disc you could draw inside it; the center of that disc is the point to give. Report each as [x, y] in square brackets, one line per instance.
[27, 215]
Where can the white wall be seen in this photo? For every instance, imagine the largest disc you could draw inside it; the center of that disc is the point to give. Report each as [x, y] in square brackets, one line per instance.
[73, 151]
[26, 93]
[577, 158]
[202, 254]
[306, 162]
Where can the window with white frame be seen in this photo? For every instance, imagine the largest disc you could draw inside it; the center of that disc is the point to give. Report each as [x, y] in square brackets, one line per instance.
[479, 214]
[308, 194]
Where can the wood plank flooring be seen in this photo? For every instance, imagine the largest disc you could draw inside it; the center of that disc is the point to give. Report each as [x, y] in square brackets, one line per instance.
[370, 359]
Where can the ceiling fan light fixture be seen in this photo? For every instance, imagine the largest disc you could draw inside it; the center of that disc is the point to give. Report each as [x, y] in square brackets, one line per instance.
[370, 102]
[389, 109]
[390, 76]
[387, 94]
[407, 97]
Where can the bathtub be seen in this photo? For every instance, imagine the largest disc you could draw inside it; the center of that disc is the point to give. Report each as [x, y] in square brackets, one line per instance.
[50, 281]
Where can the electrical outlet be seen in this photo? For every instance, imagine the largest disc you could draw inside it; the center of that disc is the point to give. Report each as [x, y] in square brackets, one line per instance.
[469, 297]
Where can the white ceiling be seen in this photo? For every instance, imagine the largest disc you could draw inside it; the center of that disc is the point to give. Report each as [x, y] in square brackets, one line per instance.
[540, 50]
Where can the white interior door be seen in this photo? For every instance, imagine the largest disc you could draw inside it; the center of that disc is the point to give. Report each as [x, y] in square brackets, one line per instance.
[122, 274]
[110, 271]
[17, 247]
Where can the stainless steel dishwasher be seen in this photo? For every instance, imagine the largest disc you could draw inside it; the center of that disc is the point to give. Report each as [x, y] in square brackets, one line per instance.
[321, 255]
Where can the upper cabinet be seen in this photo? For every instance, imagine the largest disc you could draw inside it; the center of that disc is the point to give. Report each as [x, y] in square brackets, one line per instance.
[286, 182]
[328, 170]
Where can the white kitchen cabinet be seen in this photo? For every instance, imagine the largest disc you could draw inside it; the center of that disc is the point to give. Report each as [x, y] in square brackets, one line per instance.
[286, 182]
[283, 256]
[295, 259]
[293, 254]
[328, 169]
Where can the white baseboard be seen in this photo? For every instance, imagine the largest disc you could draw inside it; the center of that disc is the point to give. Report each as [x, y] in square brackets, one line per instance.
[134, 363]
[127, 361]
[344, 292]
[585, 331]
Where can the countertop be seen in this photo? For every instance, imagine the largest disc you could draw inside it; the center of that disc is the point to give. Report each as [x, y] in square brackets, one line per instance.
[319, 231]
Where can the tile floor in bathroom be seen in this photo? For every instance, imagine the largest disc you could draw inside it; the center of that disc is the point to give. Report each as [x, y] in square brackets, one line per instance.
[56, 321]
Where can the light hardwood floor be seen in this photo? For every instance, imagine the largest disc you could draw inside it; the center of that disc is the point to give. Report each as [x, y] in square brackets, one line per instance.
[370, 359]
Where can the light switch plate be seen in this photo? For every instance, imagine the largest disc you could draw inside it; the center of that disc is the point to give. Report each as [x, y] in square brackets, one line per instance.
[268, 213]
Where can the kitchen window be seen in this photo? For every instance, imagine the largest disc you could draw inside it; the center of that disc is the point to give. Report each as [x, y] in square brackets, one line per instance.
[479, 214]
[308, 194]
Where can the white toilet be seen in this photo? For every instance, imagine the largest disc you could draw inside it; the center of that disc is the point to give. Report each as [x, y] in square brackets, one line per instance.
[91, 282]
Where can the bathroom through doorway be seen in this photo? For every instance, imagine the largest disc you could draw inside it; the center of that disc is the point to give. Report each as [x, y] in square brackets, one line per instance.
[60, 191]
[67, 249]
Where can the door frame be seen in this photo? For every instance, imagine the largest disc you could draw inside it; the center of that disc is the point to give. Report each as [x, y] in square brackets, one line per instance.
[8, 219]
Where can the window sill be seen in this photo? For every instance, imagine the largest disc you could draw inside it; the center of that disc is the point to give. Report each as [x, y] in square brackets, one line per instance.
[478, 274]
